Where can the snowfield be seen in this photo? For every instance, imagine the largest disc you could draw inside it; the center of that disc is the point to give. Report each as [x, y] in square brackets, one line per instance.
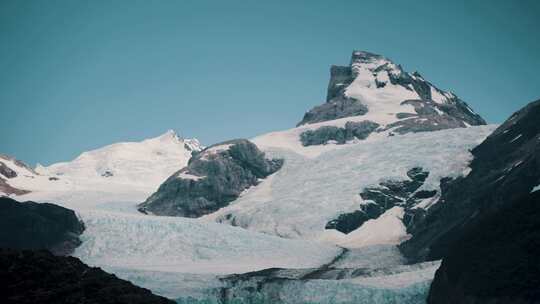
[146, 164]
[318, 183]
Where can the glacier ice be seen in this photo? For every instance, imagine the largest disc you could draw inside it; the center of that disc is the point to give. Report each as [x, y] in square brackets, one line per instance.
[285, 216]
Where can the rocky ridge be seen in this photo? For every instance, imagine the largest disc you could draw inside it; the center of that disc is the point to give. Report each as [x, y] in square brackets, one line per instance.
[213, 178]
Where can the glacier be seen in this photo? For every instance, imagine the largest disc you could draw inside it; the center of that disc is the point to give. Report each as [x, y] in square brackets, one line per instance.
[281, 223]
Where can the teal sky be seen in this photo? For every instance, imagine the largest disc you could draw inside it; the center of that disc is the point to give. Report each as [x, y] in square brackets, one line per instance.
[77, 75]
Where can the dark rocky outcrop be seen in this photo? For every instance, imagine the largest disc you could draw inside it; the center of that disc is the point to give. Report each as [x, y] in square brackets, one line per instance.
[495, 261]
[430, 116]
[213, 178]
[6, 188]
[505, 167]
[31, 225]
[325, 134]
[337, 104]
[336, 108]
[7, 171]
[40, 277]
[383, 197]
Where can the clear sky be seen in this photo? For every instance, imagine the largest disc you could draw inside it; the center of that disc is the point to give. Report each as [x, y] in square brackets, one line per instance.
[77, 75]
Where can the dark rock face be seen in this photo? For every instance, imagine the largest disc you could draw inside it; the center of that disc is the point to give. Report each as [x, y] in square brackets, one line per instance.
[338, 107]
[17, 162]
[432, 112]
[31, 225]
[40, 277]
[495, 261]
[7, 171]
[213, 178]
[337, 104]
[485, 226]
[325, 134]
[383, 197]
[430, 117]
[505, 167]
[8, 189]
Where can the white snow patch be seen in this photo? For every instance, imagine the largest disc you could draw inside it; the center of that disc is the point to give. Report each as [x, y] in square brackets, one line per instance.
[535, 189]
[146, 164]
[185, 175]
[386, 229]
[516, 138]
[437, 96]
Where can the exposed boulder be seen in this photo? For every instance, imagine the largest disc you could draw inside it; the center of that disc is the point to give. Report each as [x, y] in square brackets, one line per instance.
[31, 225]
[213, 178]
[40, 277]
[326, 134]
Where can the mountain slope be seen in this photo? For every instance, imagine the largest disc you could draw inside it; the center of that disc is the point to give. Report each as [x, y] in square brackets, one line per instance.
[213, 178]
[141, 166]
[11, 170]
[146, 163]
[317, 184]
[506, 166]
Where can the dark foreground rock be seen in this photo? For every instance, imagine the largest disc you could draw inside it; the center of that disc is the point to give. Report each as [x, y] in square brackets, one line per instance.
[496, 260]
[213, 178]
[31, 225]
[40, 277]
[486, 225]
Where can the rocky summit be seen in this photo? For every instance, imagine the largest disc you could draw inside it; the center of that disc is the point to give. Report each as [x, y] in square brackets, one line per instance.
[375, 89]
[213, 178]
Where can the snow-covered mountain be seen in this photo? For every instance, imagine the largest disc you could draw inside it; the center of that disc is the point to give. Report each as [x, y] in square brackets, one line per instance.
[356, 173]
[326, 202]
[141, 165]
[373, 88]
[146, 163]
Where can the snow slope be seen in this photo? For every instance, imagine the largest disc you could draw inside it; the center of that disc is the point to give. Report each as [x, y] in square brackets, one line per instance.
[318, 183]
[145, 164]
[383, 103]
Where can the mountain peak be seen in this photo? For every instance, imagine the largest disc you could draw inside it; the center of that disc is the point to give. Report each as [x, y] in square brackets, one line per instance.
[374, 88]
[169, 135]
